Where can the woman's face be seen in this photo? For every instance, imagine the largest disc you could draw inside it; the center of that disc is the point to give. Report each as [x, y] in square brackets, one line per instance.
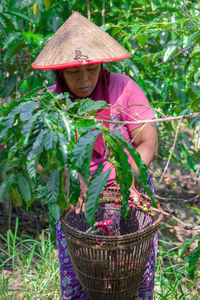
[82, 80]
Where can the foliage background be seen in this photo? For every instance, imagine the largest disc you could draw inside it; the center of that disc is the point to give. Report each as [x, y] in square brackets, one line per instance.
[163, 37]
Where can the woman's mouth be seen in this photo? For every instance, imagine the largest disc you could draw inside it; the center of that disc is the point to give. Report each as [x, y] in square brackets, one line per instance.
[84, 89]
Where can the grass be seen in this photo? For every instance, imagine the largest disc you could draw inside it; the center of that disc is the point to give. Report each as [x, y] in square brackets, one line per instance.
[171, 279]
[30, 270]
[29, 267]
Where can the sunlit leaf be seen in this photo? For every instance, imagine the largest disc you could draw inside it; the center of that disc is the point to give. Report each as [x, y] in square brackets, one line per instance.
[47, 3]
[35, 7]
[74, 186]
[15, 196]
[88, 106]
[169, 52]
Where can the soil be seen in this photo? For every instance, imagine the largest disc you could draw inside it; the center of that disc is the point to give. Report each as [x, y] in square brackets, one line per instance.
[178, 195]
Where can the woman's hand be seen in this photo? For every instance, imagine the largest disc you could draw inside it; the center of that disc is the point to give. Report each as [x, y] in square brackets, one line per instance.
[134, 194]
[80, 204]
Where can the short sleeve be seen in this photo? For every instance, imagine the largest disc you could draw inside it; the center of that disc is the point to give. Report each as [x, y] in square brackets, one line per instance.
[137, 105]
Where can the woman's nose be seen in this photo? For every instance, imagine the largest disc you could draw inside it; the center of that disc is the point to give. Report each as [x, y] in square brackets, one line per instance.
[84, 76]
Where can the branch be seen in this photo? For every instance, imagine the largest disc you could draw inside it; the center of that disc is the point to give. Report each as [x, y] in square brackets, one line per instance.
[177, 199]
[186, 226]
[188, 15]
[88, 10]
[182, 51]
[160, 120]
[103, 12]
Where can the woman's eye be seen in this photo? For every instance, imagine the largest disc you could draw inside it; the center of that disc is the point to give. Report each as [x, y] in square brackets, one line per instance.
[92, 69]
[71, 72]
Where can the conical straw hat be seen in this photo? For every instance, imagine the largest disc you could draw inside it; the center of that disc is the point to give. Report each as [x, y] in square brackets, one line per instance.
[78, 41]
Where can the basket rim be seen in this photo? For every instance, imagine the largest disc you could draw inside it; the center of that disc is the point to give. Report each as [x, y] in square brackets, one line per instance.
[124, 237]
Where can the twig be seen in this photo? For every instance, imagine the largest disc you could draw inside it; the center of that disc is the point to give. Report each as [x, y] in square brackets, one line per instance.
[188, 15]
[182, 51]
[10, 214]
[186, 226]
[159, 120]
[88, 10]
[171, 152]
[178, 199]
[103, 12]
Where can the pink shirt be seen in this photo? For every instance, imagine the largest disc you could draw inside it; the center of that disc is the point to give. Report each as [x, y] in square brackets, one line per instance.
[129, 103]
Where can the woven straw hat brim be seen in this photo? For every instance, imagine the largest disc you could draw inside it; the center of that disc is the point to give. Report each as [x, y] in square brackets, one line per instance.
[79, 42]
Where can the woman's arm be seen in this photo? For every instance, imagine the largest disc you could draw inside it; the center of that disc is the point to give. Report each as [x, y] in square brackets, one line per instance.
[146, 142]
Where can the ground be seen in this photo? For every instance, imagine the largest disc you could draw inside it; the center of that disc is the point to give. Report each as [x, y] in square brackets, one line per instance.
[178, 194]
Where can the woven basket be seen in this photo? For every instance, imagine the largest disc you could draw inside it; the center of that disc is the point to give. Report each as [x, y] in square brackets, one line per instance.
[111, 267]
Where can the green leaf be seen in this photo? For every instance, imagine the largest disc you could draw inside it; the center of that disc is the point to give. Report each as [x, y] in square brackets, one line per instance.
[190, 39]
[93, 193]
[127, 38]
[169, 52]
[55, 211]
[67, 127]
[29, 126]
[37, 145]
[8, 120]
[15, 196]
[123, 168]
[11, 38]
[24, 187]
[64, 148]
[6, 185]
[193, 259]
[116, 30]
[13, 150]
[13, 50]
[74, 187]
[53, 187]
[86, 124]
[142, 38]
[164, 37]
[90, 106]
[187, 244]
[18, 13]
[135, 27]
[50, 140]
[82, 153]
[141, 166]
[31, 167]
[26, 110]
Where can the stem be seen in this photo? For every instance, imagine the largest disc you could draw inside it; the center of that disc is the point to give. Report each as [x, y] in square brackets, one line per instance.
[159, 120]
[188, 15]
[103, 12]
[182, 51]
[88, 10]
[9, 214]
[186, 226]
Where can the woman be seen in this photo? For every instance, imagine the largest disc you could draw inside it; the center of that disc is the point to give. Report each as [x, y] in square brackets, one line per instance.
[77, 51]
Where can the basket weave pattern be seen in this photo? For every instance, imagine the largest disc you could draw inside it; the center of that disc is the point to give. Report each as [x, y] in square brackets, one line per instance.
[111, 267]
